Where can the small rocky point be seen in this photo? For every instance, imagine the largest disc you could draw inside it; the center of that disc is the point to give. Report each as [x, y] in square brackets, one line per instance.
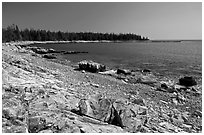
[42, 94]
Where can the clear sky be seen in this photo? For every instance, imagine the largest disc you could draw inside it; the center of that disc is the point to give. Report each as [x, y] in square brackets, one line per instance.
[154, 20]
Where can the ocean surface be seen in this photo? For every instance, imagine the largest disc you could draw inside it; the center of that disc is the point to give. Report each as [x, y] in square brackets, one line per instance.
[162, 58]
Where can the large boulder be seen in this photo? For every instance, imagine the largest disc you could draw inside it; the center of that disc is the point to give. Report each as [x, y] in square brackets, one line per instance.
[99, 109]
[120, 112]
[91, 66]
[187, 81]
[146, 71]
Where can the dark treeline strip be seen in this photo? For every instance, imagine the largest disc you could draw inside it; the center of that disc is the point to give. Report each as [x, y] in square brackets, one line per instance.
[12, 33]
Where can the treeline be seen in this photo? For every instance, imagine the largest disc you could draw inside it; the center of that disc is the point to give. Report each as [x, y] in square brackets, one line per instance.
[12, 33]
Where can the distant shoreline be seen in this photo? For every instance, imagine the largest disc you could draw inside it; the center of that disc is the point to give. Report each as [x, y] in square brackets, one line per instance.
[83, 41]
[63, 42]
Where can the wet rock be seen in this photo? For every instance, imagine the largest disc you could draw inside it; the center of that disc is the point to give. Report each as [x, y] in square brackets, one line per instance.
[49, 56]
[123, 71]
[187, 81]
[91, 66]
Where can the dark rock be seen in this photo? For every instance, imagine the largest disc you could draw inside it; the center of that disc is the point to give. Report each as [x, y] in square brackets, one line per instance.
[146, 71]
[164, 85]
[187, 81]
[171, 90]
[49, 56]
[73, 52]
[91, 66]
[139, 102]
[123, 71]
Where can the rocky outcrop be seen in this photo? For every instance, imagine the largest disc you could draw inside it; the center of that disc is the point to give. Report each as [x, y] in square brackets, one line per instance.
[119, 112]
[91, 66]
[40, 50]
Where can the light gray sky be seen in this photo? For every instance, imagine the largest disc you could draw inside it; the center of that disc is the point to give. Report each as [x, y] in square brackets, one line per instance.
[154, 20]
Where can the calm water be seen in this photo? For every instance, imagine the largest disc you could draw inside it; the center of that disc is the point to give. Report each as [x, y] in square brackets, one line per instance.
[165, 58]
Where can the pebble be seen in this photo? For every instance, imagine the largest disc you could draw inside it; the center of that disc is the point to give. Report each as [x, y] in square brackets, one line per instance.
[95, 85]
[175, 101]
[83, 71]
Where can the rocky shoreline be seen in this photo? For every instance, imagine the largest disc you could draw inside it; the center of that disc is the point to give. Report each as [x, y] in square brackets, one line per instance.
[40, 95]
